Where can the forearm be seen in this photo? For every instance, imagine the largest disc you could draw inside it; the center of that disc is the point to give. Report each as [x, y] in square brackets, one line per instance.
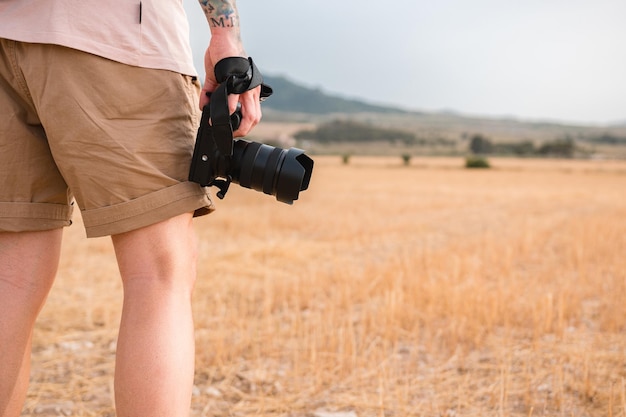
[223, 19]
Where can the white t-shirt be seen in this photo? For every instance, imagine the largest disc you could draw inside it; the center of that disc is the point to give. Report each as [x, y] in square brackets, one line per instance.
[146, 33]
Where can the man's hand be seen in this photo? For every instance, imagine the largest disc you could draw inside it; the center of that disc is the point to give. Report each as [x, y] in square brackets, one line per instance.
[249, 100]
[223, 19]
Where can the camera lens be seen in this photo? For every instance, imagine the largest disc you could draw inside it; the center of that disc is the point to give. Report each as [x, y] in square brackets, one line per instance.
[274, 171]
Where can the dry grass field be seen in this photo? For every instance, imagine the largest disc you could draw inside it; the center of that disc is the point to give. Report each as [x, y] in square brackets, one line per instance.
[385, 291]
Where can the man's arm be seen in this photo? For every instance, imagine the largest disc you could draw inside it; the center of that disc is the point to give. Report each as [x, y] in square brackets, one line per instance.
[220, 14]
[223, 19]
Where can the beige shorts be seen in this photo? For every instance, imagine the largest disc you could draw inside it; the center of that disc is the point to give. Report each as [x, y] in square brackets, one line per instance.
[116, 138]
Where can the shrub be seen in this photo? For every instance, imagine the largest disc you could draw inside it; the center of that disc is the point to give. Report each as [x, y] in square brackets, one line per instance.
[476, 162]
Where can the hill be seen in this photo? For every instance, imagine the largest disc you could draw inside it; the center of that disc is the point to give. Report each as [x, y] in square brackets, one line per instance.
[296, 111]
[291, 97]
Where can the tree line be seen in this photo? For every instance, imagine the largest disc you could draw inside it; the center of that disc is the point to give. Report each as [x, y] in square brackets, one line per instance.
[563, 148]
[349, 131]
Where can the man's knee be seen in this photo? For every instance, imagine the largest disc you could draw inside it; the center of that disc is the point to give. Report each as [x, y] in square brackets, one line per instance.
[29, 262]
[164, 253]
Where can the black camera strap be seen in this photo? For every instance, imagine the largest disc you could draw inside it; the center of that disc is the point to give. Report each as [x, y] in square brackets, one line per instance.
[236, 75]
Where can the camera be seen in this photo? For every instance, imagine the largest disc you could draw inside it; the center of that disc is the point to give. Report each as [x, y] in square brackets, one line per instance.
[274, 171]
[218, 159]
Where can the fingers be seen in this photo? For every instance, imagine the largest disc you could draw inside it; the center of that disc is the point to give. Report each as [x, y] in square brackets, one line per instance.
[250, 110]
[204, 98]
[250, 107]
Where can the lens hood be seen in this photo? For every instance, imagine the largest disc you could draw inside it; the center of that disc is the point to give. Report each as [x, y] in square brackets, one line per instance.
[294, 175]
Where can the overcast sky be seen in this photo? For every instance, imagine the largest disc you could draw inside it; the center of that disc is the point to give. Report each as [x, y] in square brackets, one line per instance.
[562, 60]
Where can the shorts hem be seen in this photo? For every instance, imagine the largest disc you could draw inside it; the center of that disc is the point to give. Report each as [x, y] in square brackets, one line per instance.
[33, 217]
[144, 211]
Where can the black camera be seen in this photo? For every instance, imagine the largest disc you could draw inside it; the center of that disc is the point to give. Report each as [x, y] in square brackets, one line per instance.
[274, 171]
[218, 159]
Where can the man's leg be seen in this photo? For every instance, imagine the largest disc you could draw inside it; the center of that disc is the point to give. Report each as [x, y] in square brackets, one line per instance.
[155, 351]
[28, 265]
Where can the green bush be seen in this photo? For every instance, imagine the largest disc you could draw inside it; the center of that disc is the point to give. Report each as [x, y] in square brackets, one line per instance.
[477, 162]
[406, 159]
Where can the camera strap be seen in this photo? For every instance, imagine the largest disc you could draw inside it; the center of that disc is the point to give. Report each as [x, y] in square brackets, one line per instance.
[215, 140]
[236, 75]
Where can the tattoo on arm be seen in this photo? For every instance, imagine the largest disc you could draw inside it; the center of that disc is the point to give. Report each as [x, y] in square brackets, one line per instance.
[220, 13]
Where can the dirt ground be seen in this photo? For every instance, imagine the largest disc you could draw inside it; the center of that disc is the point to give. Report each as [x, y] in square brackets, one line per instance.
[385, 290]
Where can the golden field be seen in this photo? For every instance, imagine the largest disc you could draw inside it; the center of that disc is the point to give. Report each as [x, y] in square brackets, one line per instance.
[386, 290]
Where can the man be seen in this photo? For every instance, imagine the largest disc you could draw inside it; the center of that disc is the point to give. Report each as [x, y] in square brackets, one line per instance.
[99, 103]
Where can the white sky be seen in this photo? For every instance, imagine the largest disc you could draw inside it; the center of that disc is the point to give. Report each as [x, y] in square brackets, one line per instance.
[559, 60]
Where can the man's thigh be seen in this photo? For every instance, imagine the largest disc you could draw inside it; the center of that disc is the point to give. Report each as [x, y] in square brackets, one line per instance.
[121, 136]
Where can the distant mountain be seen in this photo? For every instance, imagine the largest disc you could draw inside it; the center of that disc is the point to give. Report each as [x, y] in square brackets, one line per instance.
[291, 97]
